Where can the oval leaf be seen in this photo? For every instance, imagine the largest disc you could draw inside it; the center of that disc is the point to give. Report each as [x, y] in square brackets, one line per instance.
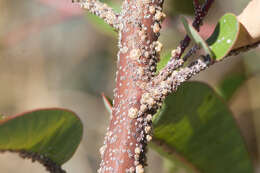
[224, 36]
[50, 136]
[197, 125]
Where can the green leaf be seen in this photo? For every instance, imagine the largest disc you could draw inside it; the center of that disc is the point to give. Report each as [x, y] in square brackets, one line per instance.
[165, 57]
[195, 36]
[224, 36]
[50, 136]
[101, 26]
[108, 103]
[196, 126]
[230, 84]
[181, 7]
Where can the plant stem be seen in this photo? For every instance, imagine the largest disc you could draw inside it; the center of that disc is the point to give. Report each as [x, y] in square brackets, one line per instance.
[129, 130]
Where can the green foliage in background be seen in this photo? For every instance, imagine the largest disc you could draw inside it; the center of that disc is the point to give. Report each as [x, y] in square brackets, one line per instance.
[182, 7]
[230, 84]
[48, 133]
[195, 125]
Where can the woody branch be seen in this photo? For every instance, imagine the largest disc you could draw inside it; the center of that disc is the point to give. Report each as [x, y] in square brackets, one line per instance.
[129, 130]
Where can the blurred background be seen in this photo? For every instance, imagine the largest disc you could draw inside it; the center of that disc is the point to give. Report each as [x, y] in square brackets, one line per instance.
[53, 54]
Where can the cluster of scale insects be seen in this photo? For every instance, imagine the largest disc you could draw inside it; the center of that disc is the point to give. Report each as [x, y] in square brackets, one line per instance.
[41, 158]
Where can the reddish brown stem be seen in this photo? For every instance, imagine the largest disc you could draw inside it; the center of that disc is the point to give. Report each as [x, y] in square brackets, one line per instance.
[125, 142]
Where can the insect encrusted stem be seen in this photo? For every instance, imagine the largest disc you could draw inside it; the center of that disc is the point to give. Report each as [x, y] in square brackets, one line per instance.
[129, 131]
[196, 3]
[102, 10]
[177, 77]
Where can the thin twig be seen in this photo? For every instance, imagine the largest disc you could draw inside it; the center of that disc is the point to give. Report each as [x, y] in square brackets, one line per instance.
[196, 3]
[101, 10]
[243, 49]
[200, 13]
[161, 90]
[191, 52]
[177, 77]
